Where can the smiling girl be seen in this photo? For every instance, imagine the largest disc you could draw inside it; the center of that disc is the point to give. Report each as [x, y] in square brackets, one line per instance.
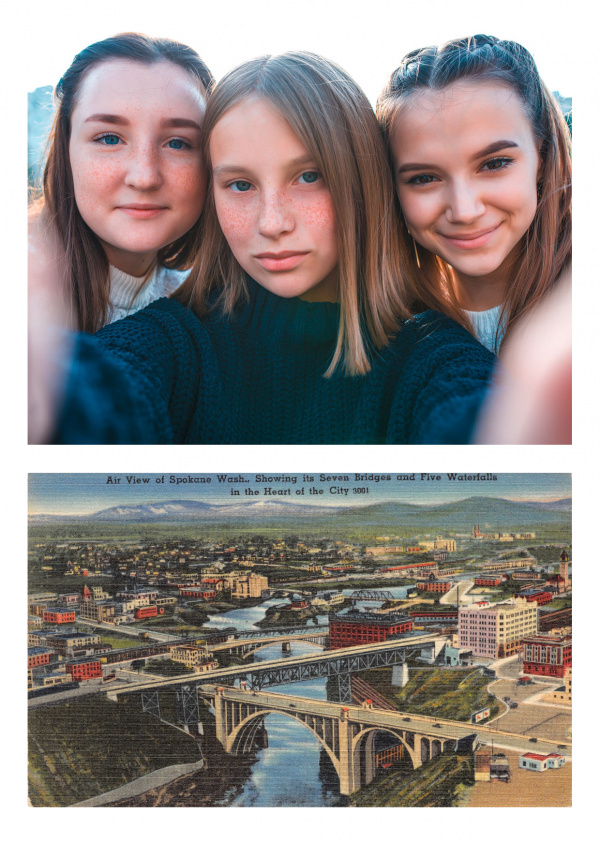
[291, 327]
[124, 182]
[481, 160]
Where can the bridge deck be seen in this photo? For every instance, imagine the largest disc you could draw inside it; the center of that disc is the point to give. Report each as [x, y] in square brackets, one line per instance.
[399, 720]
[264, 668]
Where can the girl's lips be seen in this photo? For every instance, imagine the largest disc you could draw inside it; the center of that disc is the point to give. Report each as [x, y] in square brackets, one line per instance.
[472, 241]
[280, 261]
[142, 212]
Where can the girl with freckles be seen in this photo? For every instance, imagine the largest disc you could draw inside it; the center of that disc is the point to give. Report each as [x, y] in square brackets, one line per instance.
[293, 324]
[124, 182]
[480, 153]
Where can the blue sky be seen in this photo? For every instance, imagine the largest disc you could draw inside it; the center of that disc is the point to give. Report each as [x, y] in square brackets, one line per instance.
[85, 493]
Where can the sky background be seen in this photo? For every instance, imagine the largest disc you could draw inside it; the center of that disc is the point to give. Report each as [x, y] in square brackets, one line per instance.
[86, 493]
[368, 39]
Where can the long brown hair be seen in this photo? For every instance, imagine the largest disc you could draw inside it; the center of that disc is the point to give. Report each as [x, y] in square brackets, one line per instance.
[335, 122]
[88, 278]
[546, 246]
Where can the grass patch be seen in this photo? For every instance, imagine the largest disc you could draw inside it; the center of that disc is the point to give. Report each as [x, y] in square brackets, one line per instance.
[445, 693]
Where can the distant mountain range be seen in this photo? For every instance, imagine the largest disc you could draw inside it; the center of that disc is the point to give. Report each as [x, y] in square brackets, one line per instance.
[461, 515]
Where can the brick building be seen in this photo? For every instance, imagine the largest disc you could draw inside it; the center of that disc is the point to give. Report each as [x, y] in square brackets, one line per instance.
[357, 627]
[547, 654]
[59, 615]
[83, 670]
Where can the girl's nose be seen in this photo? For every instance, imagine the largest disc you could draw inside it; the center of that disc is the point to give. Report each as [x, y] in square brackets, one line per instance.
[275, 216]
[144, 173]
[464, 203]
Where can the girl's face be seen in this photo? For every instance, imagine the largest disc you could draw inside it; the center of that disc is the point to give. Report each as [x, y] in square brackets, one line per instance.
[273, 205]
[466, 168]
[136, 159]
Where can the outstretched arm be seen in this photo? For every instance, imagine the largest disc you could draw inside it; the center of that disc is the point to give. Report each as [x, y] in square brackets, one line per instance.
[443, 385]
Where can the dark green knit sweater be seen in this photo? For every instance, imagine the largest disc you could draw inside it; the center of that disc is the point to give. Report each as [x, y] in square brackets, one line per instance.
[164, 376]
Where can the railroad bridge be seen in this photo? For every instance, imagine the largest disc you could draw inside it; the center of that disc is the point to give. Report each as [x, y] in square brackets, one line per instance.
[347, 733]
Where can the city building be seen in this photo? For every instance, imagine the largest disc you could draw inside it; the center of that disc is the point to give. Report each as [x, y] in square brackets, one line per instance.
[198, 592]
[38, 656]
[547, 654]
[496, 630]
[250, 586]
[541, 597]
[328, 597]
[427, 569]
[448, 616]
[58, 615]
[507, 564]
[434, 586]
[355, 627]
[556, 584]
[526, 576]
[103, 611]
[195, 656]
[89, 668]
[146, 612]
[490, 581]
[563, 695]
[539, 763]
[564, 568]
[446, 544]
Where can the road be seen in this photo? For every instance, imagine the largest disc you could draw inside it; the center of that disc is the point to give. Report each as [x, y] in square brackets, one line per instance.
[406, 721]
[223, 674]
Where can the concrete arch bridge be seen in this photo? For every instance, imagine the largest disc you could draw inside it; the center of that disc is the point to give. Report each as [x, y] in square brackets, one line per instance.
[347, 733]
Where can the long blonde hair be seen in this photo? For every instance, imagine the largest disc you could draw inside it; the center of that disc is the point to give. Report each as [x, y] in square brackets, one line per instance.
[335, 122]
[546, 246]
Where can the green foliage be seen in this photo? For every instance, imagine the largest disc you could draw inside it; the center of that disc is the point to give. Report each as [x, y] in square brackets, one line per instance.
[86, 747]
[166, 667]
[438, 783]
[452, 694]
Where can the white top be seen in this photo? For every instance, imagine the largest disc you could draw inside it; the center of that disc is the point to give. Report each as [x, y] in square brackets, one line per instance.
[485, 327]
[123, 297]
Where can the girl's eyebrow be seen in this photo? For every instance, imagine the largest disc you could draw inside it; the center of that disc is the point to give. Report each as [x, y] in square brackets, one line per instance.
[119, 120]
[300, 161]
[495, 147]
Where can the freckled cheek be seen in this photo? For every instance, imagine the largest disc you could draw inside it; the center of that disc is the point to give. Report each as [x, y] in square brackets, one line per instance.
[237, 223]
[318, 216]
[93, 180]
[188, 186]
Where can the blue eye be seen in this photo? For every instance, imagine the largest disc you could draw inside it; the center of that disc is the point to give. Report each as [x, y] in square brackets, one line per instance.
[241, 186]
[109, 139]
[310, 177]
[178, 144]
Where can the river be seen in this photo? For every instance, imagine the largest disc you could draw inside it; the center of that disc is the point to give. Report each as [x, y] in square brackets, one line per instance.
[294, 770]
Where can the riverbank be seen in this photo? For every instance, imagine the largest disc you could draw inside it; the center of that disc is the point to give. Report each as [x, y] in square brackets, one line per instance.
[85, 748]
[144, 784]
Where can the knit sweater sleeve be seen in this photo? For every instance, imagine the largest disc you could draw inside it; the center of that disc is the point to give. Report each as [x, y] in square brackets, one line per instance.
[447, 378]
[135, 382]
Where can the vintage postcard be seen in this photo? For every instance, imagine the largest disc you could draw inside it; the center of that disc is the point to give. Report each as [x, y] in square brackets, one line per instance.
[300, 639]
